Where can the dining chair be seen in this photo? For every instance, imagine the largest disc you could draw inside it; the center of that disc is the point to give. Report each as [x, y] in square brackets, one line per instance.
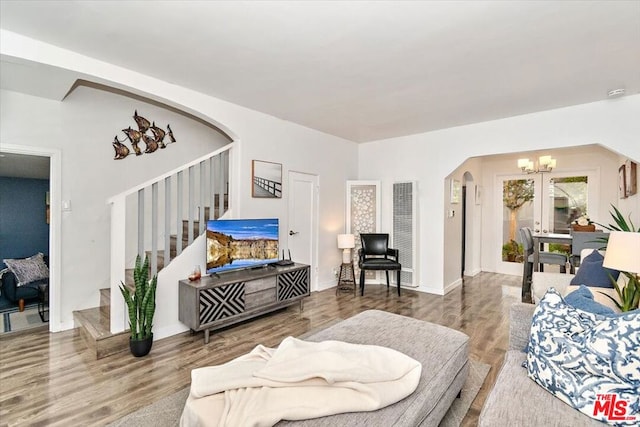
[376, 255]
[552, 258]
[586, 240]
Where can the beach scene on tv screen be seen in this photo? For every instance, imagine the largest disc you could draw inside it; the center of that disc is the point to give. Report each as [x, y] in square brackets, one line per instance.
[241, 243]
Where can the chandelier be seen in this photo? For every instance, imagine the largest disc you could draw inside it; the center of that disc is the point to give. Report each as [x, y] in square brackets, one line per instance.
[544, 164]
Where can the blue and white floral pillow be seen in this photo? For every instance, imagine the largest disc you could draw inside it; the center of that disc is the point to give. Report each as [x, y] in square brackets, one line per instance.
[588, 361]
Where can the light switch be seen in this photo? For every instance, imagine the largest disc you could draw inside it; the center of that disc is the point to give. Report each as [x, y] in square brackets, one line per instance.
[66, 205]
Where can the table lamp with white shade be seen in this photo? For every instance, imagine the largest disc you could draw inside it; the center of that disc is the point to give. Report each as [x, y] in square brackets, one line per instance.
[623, 254]
[346, 242]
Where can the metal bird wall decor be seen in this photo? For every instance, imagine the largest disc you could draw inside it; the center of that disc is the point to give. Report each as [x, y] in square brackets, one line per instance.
[152, 141]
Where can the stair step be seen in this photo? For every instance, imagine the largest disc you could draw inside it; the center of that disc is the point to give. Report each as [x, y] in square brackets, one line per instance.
[174, 243]
[105, 297]
[185, 228]
[160, 259]
[196, 222]
[93, 324]
[128, 277]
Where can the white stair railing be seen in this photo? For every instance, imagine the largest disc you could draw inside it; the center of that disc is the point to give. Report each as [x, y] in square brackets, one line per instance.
[179, 199]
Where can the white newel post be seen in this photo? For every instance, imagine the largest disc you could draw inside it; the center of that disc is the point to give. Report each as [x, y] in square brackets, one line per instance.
[118, 261]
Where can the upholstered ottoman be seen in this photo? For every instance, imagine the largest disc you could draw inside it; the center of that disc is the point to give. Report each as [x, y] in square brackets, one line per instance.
[443, 353]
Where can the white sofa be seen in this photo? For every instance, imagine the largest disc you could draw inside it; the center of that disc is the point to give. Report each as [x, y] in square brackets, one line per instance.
[515, 399]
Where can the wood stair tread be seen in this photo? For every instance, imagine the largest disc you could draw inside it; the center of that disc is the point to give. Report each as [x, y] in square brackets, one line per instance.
[96, 320]
[94, 326]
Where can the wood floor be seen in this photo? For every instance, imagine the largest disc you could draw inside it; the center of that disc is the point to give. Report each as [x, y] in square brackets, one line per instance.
[52, 379]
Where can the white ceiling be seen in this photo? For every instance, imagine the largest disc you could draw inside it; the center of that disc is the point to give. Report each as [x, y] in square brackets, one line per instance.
[360, 70]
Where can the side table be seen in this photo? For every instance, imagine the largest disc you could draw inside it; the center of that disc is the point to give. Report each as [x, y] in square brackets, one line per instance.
[43, 301]
[346, 278]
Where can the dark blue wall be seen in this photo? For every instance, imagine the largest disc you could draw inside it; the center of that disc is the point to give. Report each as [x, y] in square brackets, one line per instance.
[23, 226]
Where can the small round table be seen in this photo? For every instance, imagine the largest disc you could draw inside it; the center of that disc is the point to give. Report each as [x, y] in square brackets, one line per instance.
[346, 278]
[43, 301]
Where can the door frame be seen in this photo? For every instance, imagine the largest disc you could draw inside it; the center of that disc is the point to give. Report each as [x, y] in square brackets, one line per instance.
[315, 208]
[55, 196]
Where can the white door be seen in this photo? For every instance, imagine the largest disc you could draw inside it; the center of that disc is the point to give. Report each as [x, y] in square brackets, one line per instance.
[303, 220]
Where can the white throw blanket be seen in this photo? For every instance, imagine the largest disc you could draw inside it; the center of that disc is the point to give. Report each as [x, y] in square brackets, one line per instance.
[299, 380]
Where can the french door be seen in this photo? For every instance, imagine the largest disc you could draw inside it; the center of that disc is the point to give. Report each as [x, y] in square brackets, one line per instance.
[546, 202]
[519, 205]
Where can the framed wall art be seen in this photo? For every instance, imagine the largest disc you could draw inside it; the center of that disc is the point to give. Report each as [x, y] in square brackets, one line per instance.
[456, 191]
[631, 178]
[47, 205]
[622, 182]
[266, 180]
[479, 192]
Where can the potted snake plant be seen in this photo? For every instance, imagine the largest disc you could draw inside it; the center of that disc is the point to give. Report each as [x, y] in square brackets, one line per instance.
[141, 306]
[629, 295]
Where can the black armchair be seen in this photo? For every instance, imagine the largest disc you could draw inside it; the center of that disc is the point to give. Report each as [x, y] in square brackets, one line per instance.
[375, 255]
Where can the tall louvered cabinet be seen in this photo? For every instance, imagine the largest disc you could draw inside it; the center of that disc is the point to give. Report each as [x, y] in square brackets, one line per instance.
[404, 231]
[215, 302]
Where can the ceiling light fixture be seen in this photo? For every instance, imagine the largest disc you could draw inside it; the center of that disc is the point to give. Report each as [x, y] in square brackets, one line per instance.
[544, 164]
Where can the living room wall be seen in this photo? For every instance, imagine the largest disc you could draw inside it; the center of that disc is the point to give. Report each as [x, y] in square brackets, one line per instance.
[83, 127]
[431, 157]
[23, 227]
[256, 136]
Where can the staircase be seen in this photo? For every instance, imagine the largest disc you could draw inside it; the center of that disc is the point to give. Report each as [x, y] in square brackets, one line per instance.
[93, 325]
[103, 327]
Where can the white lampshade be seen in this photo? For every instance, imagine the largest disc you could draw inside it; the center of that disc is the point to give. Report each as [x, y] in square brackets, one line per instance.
[346, 241]
[544, 160]
[523, 163]
[623, 252]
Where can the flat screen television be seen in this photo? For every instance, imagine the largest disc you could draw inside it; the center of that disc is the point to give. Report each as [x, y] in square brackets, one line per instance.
[241, 243]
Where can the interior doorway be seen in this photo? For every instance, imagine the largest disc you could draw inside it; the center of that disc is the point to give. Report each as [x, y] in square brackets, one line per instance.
[464, 231]
[55, 194]
[468, 212]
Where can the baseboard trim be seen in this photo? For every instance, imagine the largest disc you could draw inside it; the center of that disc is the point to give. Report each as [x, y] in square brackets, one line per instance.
[473, 273]
[452, 286]
[429, 290]
[170, 330]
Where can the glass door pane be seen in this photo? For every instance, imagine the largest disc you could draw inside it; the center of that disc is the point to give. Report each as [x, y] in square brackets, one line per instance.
[520, 208]
[569, 197]
[517, 202]
[547, 202]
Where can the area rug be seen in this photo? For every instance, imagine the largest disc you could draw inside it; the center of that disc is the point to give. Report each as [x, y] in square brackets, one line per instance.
[166, 412]
[18, 321]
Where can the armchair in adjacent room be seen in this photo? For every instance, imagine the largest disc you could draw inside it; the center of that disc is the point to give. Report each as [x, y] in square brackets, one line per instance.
[22, 293]
[376, 255]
